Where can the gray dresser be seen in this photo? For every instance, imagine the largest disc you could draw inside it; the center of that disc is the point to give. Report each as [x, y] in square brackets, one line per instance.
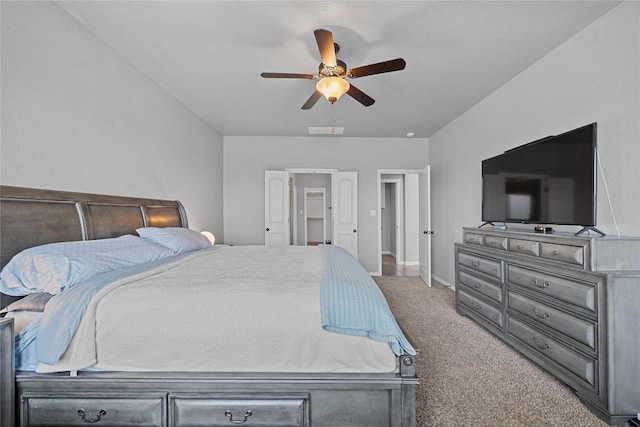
[570, 304]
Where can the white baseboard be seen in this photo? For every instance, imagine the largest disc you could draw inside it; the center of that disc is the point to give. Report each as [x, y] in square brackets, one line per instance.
[433, 278]
[443, 282]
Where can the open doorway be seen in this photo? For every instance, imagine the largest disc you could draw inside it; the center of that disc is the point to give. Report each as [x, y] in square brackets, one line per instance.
[282, 209]
[315, 217]
[399, 224]
[311, 209]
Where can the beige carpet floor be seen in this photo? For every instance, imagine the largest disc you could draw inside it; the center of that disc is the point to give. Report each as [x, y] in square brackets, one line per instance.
[467, 376]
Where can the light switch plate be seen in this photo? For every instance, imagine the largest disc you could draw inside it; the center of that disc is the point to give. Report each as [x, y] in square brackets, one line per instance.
[373, 212]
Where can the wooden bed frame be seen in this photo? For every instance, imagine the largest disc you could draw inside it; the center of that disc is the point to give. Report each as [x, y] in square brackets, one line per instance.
[31, 217]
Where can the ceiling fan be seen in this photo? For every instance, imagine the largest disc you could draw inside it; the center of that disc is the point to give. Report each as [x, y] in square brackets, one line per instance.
[332, 73]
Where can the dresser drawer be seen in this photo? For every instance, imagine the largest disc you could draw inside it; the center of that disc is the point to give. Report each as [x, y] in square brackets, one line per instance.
[496, 242]
[579, 293]
[480, 285]
[581, 330]
[527, 247]
[102, 411]
[563, 253]
[581, 367]
[474, 239]
[486, 310]
[213, 412]
[489, 266]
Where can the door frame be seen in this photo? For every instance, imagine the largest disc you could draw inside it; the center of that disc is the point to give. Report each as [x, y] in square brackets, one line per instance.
[293, 209]
[379, 211]
[293, 188]
[399, 211]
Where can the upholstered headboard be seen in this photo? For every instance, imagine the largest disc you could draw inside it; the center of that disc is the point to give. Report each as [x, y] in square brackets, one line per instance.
[31, 217]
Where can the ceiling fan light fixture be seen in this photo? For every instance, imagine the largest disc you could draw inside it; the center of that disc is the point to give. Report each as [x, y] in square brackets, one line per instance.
[332, 73]
[332, 87]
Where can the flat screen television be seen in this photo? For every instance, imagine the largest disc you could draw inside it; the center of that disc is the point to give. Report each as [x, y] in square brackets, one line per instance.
[548, 181]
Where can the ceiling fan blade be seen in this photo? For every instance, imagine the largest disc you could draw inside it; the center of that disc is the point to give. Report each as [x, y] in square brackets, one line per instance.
[360, 96]
[378, 68]
[324, 38]
[312, 100]
[287, 76]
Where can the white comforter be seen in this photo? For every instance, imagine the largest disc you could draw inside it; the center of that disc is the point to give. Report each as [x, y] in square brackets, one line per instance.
[236, 309]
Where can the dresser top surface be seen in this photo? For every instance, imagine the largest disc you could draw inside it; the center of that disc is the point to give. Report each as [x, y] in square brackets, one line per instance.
[527, 233]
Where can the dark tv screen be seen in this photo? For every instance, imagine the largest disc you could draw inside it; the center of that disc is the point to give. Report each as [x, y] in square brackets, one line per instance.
[549, 181]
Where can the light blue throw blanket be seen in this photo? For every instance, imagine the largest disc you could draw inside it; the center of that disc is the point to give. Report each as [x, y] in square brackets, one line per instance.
[351, 302]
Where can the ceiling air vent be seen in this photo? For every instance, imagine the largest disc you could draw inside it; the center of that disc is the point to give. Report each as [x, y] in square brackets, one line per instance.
[330, 130]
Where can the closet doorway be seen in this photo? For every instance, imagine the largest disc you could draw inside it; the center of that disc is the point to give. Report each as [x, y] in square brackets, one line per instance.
[315, 218]
[311, 208]
[284, 207]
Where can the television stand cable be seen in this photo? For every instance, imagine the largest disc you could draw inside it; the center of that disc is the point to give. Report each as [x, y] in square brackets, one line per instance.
[606, 190]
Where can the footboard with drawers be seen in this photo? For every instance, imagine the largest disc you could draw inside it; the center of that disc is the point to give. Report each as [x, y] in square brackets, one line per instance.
[568, 303]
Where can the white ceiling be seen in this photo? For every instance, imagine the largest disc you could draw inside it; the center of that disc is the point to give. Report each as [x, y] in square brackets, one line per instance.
[209, 55]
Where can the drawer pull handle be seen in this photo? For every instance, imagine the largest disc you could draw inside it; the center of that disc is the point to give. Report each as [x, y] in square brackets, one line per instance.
[476, 263]
[477, 307]
[99, 416]
[542, 285]
[554, 253]
[477, 285]
[540, 315]
[540, 344]
[229, 415]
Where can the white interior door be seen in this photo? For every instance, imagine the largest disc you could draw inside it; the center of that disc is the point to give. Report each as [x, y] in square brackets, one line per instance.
[276, 208]
[425, 225]
[344, 192]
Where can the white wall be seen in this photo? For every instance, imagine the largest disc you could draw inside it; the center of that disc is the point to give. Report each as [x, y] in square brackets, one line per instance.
[246, 159]
[593, 77]
[77, 116]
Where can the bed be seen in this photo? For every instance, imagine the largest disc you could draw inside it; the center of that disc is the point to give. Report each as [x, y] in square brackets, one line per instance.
[325, 377]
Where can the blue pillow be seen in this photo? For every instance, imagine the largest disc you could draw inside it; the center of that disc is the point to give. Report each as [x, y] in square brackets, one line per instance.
[54, 267]
[177, 239]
